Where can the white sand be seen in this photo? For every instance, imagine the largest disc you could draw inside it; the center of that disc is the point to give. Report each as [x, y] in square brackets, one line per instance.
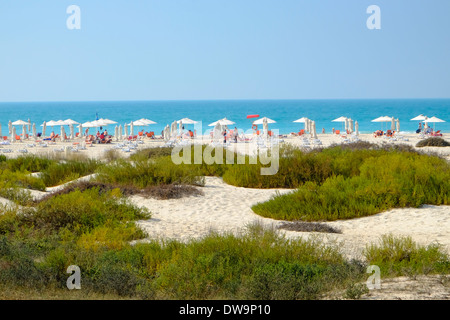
[226, 208]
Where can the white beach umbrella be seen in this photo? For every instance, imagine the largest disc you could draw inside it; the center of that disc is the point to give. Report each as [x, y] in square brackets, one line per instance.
[107, 121]
[306, 124]
[313, 129]
[29, 125]
[301, 120]
[420, 117]
[72, 134]
[173, 129]
[70, 121]
[44, 127]
[382, 119]
[13, 134]
[120, 132]
[167, 133]
[357, 128]
[63, 133]
[131, 129]
[147, 121]
[19, 123]
[34, 131]
[265, 123]
[80, 130]
[261, 121]
[398, 125]
[24, 131]
[60, 123]
[222, 122]
[125, 127]
[217, 133]
[187, 121]
[392, 124]
[340, 119]
[433, 120]
[180, 127]
[116, 133]
[10, 126]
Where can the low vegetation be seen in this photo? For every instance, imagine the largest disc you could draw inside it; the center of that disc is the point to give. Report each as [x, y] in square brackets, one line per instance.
[433, 142]
[92, 224]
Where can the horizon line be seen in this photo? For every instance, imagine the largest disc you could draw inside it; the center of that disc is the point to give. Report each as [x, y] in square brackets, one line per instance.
[231, 99]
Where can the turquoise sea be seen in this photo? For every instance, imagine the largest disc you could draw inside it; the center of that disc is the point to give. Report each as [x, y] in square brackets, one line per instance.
[284, 112]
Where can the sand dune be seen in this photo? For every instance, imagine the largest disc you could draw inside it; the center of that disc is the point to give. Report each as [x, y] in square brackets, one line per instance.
[226, 208]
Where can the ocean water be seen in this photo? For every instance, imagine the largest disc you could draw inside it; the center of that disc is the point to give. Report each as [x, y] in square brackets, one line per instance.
[284, 112]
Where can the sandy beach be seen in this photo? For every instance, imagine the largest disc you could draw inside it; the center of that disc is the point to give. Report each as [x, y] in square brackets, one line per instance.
[225, 208]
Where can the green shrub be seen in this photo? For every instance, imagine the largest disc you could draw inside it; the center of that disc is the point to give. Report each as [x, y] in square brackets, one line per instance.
[386, 181]
[433, 142]
[402, 256]
[142, 174]
[85, 210]
[59, 173]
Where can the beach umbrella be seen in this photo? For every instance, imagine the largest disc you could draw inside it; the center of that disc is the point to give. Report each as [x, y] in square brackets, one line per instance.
[222, 122]
[340, 119]
[120, 132]
[24, 131]
[217, 135]
[107, 121]
[301, 120]
[44, 127]
[392, 124]
[19, 123]
[72, 134]
[262, 120]
[34, 131]
[306, 124]
[131, 128]
[180, 127]
[173, 129]
[265, 123]
[116, 133]
[314, 132]
[357, 128]
[29, 125]
[63, 133]
[398, 125]
[9, 126]
[382, 119]
[420, 117]
[13, 134]
[125, 127]
[167, 133]
[70, 121]
[148, 121]
[433, 120]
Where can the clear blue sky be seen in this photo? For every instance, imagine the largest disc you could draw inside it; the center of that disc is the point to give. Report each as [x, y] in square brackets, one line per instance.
[223, 49]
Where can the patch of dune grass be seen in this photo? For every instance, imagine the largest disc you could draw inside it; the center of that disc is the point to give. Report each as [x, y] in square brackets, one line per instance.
[144, 173]
[397, 256]
[386, 181]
